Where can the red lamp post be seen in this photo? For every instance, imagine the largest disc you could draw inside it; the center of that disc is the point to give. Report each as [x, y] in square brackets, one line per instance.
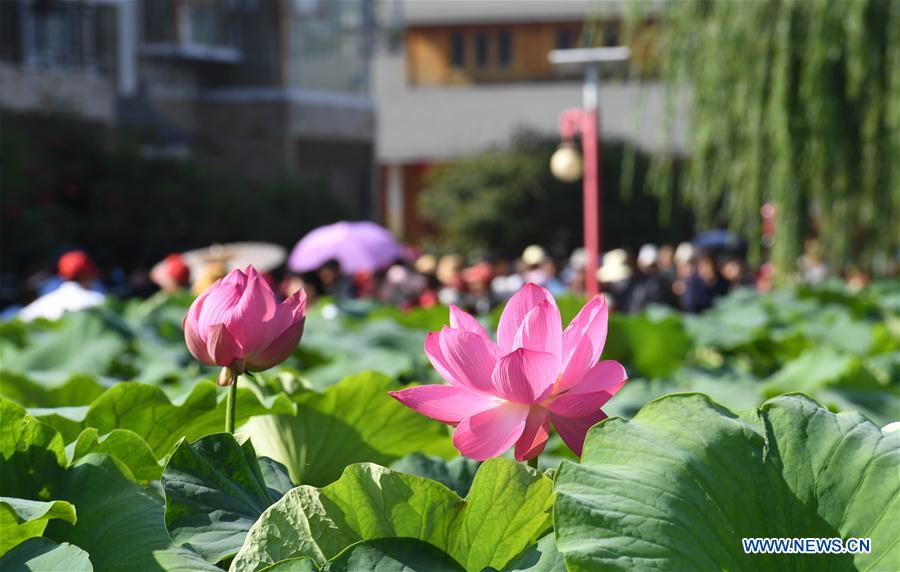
[585, 120]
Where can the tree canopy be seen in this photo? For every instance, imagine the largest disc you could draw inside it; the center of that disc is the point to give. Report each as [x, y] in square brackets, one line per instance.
[793, 102]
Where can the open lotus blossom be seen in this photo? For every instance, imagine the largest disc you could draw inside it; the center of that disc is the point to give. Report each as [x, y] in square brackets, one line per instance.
[509, 392]
[238, 324]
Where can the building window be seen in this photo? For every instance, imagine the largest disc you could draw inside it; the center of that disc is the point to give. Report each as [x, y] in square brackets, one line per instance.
[610, 35]
[481, 50]
[564, 39]
[458, 50]
[159, 21]
[504, 49]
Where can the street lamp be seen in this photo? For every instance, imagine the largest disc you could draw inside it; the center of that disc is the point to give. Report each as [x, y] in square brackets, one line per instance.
[566, 164]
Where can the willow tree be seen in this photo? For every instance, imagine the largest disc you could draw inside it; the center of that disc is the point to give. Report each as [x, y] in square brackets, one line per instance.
[795, 102]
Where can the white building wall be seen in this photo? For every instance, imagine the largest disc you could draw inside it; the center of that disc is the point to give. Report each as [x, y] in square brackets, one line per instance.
[424, 124]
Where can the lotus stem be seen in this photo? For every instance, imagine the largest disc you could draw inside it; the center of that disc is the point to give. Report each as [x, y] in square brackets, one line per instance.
[231, 403]
[533, 462]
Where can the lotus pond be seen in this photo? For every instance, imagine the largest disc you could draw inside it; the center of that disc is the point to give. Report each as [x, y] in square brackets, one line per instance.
[759, 418]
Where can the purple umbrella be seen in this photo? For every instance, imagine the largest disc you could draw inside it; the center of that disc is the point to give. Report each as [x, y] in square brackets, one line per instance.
[357, 246]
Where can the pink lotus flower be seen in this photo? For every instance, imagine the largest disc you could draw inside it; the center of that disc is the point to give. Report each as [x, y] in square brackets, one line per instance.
[536, 374]
[236, 323]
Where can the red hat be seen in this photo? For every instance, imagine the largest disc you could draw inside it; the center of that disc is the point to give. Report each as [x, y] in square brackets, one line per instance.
[481, 272]
[177, 270]
[75, 265]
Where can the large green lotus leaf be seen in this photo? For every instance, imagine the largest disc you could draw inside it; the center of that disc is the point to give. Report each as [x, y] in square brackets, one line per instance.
[215, 491]
[126, 446]
[301, 564]
[21, 519]
[653, 343]
[539, 557]
[160, 421]
[393, 555]
[882, 407]
[506, 510]
[425, 319]
[457, 474]
[120, 523]
[351, 422]
[82, 342]
[841, 382]
[50, 389]
[43, 555]
[681, 484]
[31, 453]
[353, 347]
[835, 326]
[813, 370]
[735, 321]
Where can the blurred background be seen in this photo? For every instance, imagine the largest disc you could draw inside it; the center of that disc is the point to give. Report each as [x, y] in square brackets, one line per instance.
[762, 137]
[394, 157]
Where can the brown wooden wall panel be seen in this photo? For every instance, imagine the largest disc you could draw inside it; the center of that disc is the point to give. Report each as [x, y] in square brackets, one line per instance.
[429, 49]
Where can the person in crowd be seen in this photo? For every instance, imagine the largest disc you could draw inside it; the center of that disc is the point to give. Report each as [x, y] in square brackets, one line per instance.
[291, 283]
[74, 266]
[573, 274]
[764, 279]
[643, 285]
[667, 275]
[533, 257]
[449, 274]
[506, 281]
[77, 290]
[332, 282]
[684, 269]
[213, 270]
[173, 275]
[734, 269]
[813, 269]
[478, 287]
[401, 287]
[552, 282]
[857, 278]
[613, 275]
[426, 265]
[704, 285]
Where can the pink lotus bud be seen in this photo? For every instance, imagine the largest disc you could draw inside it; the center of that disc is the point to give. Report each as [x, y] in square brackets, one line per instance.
[237, 323]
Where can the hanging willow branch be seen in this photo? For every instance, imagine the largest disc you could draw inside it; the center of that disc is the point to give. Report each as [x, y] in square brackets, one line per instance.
[794, 102]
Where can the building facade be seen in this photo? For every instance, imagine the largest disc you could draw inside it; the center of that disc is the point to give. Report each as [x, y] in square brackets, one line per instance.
[267, 88]
[454, 78]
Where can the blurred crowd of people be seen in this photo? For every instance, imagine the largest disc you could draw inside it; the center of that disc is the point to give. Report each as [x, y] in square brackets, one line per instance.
[685, 277]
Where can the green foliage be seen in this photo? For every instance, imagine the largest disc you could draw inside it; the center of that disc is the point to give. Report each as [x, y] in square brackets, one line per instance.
[502, 200]
[215, 491]
[21, 519]
[653, 344]
[678, 486]
[39, 554]
[540, 557]
[31, 453]
[59, 174]
[148, 412]
[505, 511]
[134, 455]
[393, 555]
[795, 102]
[351, 422]
[94, 447]
[120, 523]
[456, 474]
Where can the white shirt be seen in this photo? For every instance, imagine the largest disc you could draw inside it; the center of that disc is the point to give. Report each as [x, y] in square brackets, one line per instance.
[69, 297]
